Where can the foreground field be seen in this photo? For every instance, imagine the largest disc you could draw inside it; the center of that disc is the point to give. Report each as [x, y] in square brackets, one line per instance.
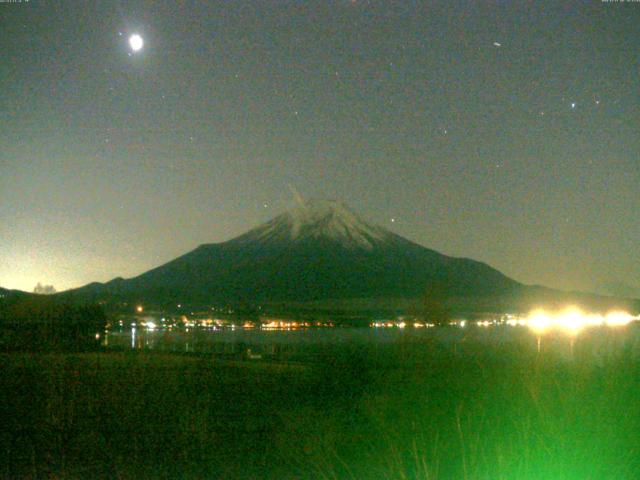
[399, 411]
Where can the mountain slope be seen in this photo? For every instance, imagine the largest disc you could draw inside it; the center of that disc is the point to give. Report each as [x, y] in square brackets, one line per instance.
[314, 252]
[318, 250]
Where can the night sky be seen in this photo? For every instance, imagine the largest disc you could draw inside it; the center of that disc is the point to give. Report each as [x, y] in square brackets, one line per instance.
[508, 132]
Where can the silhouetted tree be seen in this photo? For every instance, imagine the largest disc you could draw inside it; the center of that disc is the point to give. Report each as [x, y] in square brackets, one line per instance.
[44, 289]
[432, 306]
[45, 323]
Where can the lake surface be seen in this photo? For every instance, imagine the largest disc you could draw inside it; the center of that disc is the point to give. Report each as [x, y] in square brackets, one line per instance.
[305, 343]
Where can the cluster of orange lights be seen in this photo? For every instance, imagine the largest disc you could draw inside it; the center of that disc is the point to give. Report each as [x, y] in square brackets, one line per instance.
[571, 320]
[292, 325]
[400, 324]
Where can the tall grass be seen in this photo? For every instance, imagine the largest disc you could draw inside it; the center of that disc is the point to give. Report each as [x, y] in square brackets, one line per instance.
[414, 410]
[505, 412]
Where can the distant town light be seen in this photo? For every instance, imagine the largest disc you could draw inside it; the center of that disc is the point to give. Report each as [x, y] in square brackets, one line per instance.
[573, 320]
[139, 309]
[617, 319]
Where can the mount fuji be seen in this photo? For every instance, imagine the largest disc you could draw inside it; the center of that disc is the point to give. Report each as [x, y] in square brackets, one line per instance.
[316, 253]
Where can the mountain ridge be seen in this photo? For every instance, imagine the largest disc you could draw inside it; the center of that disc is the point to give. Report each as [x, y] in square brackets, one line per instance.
[317, 251]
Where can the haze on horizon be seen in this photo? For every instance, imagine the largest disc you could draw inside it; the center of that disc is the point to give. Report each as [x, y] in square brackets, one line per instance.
[502, 133]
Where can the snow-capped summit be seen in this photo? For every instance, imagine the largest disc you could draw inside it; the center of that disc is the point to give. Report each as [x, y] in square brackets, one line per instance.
[318, 250]
[321, 252]
[318, 219]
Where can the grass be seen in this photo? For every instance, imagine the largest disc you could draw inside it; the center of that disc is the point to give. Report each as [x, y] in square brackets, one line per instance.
[409, 410]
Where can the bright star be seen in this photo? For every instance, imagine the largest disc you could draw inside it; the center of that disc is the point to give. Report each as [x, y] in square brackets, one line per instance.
[573, 105]
[135, 42]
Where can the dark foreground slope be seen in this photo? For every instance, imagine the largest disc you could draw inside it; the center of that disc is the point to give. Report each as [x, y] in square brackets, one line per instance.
[8, 295]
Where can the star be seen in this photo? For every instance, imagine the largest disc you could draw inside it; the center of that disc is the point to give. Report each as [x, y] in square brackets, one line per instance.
[496, 44]
[573, 104]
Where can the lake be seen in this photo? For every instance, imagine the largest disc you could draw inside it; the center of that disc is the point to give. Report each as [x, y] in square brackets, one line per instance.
[305, 343]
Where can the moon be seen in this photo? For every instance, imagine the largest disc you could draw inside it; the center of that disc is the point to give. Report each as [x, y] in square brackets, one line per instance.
[135, 42]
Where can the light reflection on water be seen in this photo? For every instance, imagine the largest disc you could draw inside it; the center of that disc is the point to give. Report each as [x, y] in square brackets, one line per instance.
[287, 344]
